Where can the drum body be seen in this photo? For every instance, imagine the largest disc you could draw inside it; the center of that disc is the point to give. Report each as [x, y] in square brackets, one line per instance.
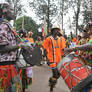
[74, 72]
[30, 55]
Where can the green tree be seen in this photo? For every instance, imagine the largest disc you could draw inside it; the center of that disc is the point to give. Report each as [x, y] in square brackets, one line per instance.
[29, 24]
[76, 6]
[63, 7]
[87, 11]
[44, 7]
[18, 7]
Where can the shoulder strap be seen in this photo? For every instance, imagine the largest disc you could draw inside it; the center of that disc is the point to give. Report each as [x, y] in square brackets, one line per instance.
[10, 27]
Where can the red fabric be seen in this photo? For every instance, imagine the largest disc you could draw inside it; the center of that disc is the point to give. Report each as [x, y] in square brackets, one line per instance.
[7, 73]
[74, 40]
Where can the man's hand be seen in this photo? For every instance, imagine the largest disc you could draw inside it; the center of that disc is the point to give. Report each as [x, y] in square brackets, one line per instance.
[68, 50]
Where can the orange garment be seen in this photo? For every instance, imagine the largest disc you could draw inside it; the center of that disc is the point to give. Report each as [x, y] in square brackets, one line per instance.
[90, 38]
[78, 43]
[58, 44]
[74, 40]
[30, 40]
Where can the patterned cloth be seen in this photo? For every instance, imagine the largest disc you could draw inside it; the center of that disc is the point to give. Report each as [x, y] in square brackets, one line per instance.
[7, 37]
[85, 56]
[29, 72]
[9, 79]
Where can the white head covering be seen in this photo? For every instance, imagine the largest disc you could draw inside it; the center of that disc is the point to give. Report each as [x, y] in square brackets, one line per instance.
[57, 26]
[4, 2]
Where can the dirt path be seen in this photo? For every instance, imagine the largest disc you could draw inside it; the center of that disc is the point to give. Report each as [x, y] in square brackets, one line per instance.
[40, 81]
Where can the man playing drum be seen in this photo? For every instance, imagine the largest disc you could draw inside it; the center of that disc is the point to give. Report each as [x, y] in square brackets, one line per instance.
[86, 49]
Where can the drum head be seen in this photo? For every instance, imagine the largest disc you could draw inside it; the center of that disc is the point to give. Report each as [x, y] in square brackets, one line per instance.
[32, 56]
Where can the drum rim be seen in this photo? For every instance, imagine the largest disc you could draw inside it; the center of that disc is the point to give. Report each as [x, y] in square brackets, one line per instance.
[82, 84]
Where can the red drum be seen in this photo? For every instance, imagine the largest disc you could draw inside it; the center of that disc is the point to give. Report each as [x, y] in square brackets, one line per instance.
[74, 72]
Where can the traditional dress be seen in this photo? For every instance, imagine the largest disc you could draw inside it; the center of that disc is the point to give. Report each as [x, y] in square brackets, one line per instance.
[86, 58]
[9, 77]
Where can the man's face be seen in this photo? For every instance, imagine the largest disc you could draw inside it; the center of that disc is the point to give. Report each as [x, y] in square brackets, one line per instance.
[90, 31]
[56, 32]
[10, 13]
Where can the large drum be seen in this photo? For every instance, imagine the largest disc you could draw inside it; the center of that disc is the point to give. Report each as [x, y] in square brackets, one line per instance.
[76, 75]
[29, 56]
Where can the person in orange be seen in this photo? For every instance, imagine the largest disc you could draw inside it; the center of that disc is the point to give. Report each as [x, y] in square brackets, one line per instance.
[67, 41]
[29, 37]
[53, 45]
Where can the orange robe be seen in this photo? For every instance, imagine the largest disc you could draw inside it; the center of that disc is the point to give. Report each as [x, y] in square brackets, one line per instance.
[30, 40]
[54, 51]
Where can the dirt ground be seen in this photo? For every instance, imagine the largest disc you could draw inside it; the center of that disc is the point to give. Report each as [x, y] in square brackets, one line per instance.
[40, 81]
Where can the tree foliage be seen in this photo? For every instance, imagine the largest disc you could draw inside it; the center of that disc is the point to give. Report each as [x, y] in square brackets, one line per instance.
[81, 8]
[63, 7]
[87, 11]
[29, 24]
[45, 7]
[56, 11]
[76, 6]
[41, 7]
[17, 6]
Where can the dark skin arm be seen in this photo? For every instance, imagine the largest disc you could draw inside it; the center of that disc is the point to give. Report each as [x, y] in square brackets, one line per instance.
[85, 47]
[4, 49]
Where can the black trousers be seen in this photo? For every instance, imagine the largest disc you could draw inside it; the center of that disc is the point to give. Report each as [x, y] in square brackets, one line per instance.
[55, 73]
[55, 76]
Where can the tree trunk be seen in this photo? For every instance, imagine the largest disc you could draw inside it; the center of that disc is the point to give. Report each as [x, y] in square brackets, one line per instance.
[62, 13]
[48, 18]
[77, 15]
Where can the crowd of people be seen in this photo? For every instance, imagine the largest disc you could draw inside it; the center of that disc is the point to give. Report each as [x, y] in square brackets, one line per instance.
[55, 47]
